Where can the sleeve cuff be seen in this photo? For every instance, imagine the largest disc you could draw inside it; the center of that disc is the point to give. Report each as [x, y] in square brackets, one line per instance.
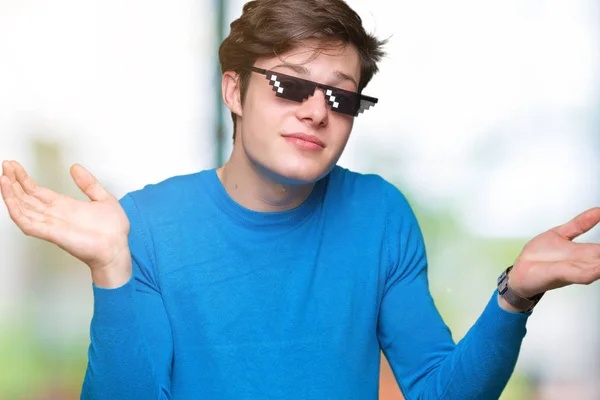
[504, 322]
[114, 306]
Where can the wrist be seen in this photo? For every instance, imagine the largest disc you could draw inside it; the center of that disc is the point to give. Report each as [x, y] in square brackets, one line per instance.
[509, 307]
[511, 300]
[115, 274]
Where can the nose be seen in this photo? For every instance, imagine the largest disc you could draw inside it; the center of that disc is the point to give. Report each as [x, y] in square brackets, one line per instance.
[314, 109]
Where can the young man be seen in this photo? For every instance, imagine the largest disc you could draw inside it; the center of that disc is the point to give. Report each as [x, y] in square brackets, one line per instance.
[280, 275]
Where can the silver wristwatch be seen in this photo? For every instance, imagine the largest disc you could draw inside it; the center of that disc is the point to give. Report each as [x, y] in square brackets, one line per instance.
[505, 291]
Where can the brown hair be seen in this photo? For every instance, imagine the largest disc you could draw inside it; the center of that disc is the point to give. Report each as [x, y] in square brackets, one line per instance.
[268, 28]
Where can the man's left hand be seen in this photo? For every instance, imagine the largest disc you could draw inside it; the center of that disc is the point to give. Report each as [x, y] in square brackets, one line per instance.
[552, 260]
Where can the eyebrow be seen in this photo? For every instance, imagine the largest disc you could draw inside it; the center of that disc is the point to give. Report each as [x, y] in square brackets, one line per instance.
[341, 76]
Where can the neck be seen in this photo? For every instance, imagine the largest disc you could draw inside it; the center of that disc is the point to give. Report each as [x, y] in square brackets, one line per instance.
[254, 188]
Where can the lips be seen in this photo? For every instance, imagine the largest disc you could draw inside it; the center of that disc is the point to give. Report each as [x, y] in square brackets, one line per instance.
[305, 137]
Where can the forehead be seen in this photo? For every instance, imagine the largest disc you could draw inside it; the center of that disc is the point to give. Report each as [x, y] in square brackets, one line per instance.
[321, 60]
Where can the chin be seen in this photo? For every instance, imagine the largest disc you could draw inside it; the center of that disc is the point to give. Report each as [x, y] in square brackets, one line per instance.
[289, 167]
[304, 172]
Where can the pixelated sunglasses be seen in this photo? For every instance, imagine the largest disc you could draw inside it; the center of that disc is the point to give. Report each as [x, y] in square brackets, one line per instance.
[298, 89]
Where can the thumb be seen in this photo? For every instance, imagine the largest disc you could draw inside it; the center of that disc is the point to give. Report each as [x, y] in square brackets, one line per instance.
[580, 224]
[88, 184]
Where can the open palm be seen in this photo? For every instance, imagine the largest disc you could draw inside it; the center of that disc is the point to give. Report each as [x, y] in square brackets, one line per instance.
[93, 231]
[552, 260]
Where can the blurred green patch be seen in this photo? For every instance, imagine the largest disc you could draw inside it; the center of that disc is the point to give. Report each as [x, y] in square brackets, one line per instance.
[31, 368]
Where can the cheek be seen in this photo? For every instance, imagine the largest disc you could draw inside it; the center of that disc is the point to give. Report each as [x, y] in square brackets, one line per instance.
[256, 113]
[261, 126]
[265, 122]
[344, 126]
[262, 106]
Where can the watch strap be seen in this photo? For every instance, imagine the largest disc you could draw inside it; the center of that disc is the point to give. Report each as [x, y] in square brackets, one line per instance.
[522, 303]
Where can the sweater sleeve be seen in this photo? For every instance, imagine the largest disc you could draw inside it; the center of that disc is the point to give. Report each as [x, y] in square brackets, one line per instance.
[425, 360]
[131, 350]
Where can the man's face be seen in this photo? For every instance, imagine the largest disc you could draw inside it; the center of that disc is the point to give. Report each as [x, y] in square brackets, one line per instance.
[271, 126]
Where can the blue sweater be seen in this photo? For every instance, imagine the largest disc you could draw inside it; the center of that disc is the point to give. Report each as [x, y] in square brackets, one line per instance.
[227, 303]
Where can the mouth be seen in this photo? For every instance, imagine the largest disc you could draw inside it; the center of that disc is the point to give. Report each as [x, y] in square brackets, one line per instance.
[303, 137]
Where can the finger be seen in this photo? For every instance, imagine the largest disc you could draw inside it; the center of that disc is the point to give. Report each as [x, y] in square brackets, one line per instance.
[18, 190]
[31, 206]
[8, 170]
[580, 224]
[20, 173]
[88, 184]
[22, 180]
[43, 194]
[29, 226]
[28, 205]
[29, 185]
[6, 187]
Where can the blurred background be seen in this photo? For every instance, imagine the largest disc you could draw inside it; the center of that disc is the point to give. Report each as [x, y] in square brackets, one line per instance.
[488, 121]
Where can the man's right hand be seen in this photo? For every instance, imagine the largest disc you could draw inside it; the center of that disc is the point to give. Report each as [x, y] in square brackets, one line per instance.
[95, 231]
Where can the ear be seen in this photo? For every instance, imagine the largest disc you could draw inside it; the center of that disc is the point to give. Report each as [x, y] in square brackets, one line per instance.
[230, 89]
